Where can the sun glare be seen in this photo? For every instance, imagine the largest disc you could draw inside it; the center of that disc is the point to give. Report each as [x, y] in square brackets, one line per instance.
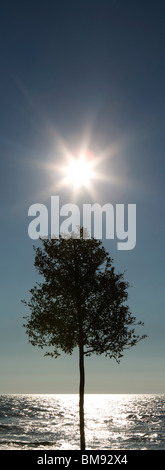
[81, 169]
[78, 172]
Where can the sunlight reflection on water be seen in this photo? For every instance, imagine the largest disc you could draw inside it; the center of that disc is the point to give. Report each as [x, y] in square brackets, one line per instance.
[111, 422]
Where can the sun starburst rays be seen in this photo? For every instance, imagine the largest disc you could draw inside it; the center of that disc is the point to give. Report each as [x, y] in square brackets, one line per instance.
[79, 170]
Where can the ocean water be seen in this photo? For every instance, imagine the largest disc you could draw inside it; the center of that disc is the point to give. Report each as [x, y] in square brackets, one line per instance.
[51, 422]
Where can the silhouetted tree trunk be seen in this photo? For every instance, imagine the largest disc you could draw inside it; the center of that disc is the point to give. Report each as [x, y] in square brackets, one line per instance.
[81, 395]
[81, 353]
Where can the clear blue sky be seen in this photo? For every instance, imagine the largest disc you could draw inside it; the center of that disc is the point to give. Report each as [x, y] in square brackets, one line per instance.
[68, 67]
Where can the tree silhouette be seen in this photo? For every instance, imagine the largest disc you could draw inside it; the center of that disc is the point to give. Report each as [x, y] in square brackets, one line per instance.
[80, 303]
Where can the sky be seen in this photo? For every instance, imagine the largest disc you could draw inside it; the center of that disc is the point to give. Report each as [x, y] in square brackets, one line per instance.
[77, 73]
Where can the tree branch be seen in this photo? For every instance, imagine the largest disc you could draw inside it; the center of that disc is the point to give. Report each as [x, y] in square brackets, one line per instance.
[89, 352]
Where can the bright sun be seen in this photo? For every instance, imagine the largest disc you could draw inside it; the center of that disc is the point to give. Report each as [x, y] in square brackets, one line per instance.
[78, 172]
[80, 169]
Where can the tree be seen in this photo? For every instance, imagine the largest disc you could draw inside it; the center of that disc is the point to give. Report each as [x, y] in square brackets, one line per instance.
[80, 303]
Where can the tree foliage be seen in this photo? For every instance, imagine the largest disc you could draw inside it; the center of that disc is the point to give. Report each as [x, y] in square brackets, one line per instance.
[80, 292]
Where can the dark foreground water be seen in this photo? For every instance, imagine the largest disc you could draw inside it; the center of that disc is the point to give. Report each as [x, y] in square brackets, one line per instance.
[132, 422]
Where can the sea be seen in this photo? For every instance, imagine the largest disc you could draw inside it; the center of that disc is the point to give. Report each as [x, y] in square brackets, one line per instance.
[51, 422]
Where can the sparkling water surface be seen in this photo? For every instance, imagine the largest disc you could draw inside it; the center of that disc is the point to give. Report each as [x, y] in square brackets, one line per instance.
[111, 422]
